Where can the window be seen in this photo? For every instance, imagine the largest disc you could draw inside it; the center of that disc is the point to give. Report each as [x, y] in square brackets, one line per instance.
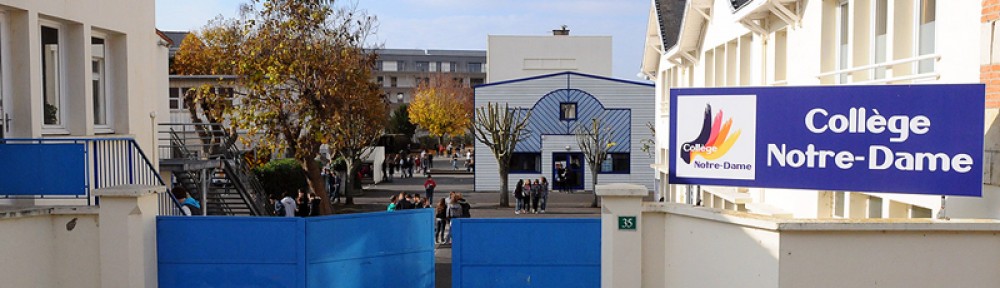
[175, 99]
[184, 93]
[475, 67]
[616, 163]
[380, 80]
[401, 66]
[879, 41]
[526, 163]
[925, 41]
[874, 207]
[567, 111]
[844, 41]
[423, 66]
[476, 81]
[446, 66]
[99, 79]
[389, 66]
[435, 66]
[393, 81]
[51, 80]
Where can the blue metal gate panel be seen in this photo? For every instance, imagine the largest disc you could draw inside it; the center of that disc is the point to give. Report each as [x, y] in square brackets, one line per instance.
[526, 253]
[230, 251]
[384, 249]
[61, 166]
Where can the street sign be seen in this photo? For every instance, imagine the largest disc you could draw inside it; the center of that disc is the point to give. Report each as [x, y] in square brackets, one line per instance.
[626, 223]
[916, 139]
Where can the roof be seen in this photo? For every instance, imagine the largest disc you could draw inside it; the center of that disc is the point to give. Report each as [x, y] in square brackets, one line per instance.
[176, 37]
[561, 74]
[422, 52]
[669, 14]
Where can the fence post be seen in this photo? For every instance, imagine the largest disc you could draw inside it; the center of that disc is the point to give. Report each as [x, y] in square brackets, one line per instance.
[127, 220]
[621, 240]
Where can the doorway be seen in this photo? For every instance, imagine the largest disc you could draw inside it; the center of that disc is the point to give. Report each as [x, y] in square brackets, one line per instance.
[567, 171]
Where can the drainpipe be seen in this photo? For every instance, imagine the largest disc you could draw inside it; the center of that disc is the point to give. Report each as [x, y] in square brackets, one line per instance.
[204, 192]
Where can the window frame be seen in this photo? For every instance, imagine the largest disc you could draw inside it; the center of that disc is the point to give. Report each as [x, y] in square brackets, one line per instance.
[538, 163]
[917, 37]
[562, 115]
[106, 84]
[60, 127]
[610, 157]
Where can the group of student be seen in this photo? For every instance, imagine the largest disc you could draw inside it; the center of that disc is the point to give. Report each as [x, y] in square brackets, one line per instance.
[530, 194]
[453, 206]
[306, 204]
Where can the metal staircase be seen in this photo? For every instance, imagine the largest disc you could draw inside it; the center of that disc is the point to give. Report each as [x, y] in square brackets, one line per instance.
[232, 188]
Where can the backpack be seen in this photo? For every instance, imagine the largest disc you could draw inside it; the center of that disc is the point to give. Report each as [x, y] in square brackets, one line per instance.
[465, 209]
[279, 209]
[195, 211]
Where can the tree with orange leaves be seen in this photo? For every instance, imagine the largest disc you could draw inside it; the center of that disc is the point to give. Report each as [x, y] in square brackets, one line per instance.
[442, 106]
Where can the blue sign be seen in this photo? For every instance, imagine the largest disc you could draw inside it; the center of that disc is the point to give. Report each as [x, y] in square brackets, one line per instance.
[917, 139]
[43, 169]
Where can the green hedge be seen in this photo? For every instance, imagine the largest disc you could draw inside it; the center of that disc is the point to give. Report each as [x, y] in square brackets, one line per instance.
[282, 175]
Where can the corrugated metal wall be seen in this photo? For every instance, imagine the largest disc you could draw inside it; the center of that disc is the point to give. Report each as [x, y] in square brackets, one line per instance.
[638, 98]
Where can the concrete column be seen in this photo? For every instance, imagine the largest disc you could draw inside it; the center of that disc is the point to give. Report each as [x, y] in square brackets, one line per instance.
[621, 250]
[128, 235]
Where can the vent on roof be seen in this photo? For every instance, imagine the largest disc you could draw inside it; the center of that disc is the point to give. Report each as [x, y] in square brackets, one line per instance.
[561, 32]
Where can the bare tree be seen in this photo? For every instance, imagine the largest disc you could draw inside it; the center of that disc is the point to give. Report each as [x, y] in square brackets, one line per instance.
[595, 141]
[500, 129]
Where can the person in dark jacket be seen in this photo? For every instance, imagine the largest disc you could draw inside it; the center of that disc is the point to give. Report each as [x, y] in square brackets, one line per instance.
[519, 196]
[314, 202]
[441, 219]
[302, 202]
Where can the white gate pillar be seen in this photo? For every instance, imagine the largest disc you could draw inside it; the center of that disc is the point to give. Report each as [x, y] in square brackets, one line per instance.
[621, 240]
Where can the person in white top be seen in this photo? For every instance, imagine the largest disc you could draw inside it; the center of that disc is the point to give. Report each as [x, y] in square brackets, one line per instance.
[289, 204]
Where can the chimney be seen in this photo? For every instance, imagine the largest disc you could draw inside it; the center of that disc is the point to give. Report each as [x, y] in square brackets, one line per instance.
[561, 32]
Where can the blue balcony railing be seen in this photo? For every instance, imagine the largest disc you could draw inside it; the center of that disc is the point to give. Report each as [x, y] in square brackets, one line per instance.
[72, 168]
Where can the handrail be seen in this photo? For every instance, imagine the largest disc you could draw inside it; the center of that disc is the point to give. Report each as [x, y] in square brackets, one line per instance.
[112, 161]
[880, 65]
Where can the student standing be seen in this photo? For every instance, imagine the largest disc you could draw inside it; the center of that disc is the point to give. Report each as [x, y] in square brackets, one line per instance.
[545, 193]
[518, 196]
[536, 195]
[289, 204]
[429, 186]
[441, 221]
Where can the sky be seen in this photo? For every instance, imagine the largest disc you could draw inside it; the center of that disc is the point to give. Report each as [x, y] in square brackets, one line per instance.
[464, 24]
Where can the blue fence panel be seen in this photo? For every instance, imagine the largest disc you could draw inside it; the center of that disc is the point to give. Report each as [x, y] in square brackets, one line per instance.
[63, 167]
[231, 251]
[526, 253]
[383, 249]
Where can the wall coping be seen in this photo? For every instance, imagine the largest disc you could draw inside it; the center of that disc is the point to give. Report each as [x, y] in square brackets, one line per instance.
[819, 225]
[621, 190]
[24, 212]
[134, 191]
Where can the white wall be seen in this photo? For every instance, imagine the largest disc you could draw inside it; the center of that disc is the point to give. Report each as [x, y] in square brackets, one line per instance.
[40, 250]
[135, 71]
[812, 45]
[512, 57]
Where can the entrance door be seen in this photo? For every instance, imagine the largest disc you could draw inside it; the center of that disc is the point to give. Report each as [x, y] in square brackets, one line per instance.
[567, 171]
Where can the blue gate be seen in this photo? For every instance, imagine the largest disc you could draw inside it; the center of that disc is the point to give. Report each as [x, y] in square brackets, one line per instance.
[526, 253]
[356, 250]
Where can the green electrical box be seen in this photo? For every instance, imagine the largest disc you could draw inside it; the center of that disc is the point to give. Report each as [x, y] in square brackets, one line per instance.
[626, 223]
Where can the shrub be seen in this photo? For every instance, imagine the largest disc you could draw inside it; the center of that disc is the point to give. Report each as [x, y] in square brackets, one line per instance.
[281, 175]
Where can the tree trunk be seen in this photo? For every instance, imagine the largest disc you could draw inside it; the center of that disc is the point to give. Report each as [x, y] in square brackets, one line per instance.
[593, 180]
[315, 181]
[504, 201]
[349, 189]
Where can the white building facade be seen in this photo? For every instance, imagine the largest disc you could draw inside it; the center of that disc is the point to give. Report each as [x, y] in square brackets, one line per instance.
[511, 57]
[559, 104]
[706, 43]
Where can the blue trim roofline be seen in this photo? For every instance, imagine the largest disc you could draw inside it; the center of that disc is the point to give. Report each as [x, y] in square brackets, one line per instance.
[561, 74]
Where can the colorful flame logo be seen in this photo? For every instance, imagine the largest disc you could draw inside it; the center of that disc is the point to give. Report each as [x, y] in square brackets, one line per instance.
[714, 140]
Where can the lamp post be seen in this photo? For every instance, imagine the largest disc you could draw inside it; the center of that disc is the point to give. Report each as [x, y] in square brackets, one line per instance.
[399, 98]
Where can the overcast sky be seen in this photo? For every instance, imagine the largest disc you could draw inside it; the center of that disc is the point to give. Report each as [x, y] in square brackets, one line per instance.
[464, 24]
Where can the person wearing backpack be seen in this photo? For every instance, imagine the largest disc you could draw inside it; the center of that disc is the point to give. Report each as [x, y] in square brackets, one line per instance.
[454, 211]
[189, 206]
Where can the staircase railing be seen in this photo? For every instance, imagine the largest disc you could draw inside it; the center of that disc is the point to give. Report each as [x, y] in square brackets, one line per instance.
[108, 162]
[246, 182]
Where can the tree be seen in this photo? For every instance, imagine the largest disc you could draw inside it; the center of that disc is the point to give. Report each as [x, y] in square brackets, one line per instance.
[500, 129]
[441, 106]
[594, 142]
[303, 71]
[399, 123]
[207, 103]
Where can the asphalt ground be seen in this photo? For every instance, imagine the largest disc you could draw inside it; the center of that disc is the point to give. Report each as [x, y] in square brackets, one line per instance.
[484, 205]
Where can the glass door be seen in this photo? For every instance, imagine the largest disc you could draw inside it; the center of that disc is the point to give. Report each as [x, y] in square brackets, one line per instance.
[567, 171]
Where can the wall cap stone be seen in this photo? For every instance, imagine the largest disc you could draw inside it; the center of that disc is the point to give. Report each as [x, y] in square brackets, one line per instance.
[133, 191]
[621, 190]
